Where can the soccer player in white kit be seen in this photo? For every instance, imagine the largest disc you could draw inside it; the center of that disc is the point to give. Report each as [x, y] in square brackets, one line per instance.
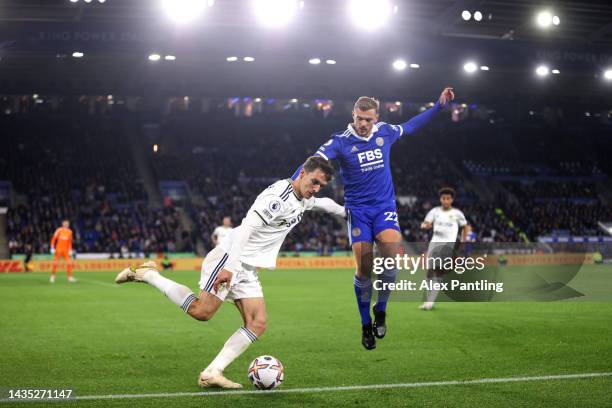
[222, 232]
[229, 271]
[446, 222]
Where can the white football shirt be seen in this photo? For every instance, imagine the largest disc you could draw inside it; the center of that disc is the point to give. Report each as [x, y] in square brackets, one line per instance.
[446, 223]
[280, 210]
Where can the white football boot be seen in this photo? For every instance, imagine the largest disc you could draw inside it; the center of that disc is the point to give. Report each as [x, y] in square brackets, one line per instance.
[136, 274]
[211, 379]
[72, 279]
[427, 306]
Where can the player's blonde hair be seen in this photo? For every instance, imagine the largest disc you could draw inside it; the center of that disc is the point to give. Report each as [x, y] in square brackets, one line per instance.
[365, 103]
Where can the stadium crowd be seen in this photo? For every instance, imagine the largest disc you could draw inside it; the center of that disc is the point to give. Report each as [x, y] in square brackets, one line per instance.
[81, 167]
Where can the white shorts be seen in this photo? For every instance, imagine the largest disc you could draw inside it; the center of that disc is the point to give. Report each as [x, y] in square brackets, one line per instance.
[245, 283]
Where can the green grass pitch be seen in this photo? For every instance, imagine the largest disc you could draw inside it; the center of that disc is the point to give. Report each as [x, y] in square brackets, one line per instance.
[99, 339]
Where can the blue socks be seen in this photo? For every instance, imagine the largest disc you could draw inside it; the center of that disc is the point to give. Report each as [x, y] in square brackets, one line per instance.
[363, 292]
[388, 276]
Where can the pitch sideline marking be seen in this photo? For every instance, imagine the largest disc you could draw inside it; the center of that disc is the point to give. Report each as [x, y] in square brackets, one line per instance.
[333, 389]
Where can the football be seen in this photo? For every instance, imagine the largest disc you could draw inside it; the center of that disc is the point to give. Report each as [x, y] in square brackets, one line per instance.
[266, 373]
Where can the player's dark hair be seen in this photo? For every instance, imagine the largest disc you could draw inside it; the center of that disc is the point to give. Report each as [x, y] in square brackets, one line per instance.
[317, 162]
[365, 103]
[446, 190]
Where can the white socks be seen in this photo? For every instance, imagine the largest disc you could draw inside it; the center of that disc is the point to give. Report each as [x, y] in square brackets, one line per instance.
[232, 349]
[433, 293]
[179, 294]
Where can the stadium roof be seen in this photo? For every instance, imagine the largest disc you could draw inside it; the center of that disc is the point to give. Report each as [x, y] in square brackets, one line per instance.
[39, 38]
[587, 21]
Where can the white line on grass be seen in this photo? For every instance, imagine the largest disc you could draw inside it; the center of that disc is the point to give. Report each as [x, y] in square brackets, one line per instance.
[340, 388]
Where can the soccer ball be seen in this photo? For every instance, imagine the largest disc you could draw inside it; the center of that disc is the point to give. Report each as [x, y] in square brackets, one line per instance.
[266, 373]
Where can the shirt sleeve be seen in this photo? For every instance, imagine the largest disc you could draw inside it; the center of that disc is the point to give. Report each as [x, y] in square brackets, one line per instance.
[54, 238]
[326, 205]
[430, 216]
[461, 219]
[268, 208]
[394, 131]
[330, 149]
[420, 120]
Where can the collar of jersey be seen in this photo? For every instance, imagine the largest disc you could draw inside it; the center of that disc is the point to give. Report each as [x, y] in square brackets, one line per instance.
[364, 139]
[292, 190]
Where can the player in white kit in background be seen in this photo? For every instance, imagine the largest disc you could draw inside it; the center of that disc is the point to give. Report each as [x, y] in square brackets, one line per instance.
[229, 271]
[446, 222]
[222, 232]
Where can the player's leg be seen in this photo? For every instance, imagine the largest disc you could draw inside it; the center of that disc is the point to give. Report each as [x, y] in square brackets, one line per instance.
[436, 254]
[247, 294]
[360, 234]
[200, 308]
[434, 278]
[71, 278]
[253, 311]
[389, 242]
[56, 257]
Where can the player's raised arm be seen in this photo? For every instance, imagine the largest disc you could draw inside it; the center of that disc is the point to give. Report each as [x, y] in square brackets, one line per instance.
[424, 118]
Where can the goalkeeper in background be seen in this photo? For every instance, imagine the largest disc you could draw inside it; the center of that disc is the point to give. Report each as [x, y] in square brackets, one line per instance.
[61, 247]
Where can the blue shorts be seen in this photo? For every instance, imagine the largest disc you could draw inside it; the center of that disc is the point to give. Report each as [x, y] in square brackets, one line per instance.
[365, 224]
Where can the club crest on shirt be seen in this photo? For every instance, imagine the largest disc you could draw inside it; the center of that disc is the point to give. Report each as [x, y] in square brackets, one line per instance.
[356, 232]
[380, 141]
[274, 206]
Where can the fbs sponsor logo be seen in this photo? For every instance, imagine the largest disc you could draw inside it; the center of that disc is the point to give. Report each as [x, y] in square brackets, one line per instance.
[370, 156]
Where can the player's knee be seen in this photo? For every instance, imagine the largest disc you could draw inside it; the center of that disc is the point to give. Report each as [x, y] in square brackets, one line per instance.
[258, 325]
[363, 271]
[199, 311]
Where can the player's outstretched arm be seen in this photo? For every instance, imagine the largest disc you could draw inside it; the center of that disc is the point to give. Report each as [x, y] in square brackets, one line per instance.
[327, 205]
[424, 118]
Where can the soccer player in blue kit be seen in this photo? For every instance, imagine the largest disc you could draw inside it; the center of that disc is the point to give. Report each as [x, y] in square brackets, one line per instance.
[363, 152]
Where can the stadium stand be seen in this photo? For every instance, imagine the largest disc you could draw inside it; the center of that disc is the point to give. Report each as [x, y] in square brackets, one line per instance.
[78, 164]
